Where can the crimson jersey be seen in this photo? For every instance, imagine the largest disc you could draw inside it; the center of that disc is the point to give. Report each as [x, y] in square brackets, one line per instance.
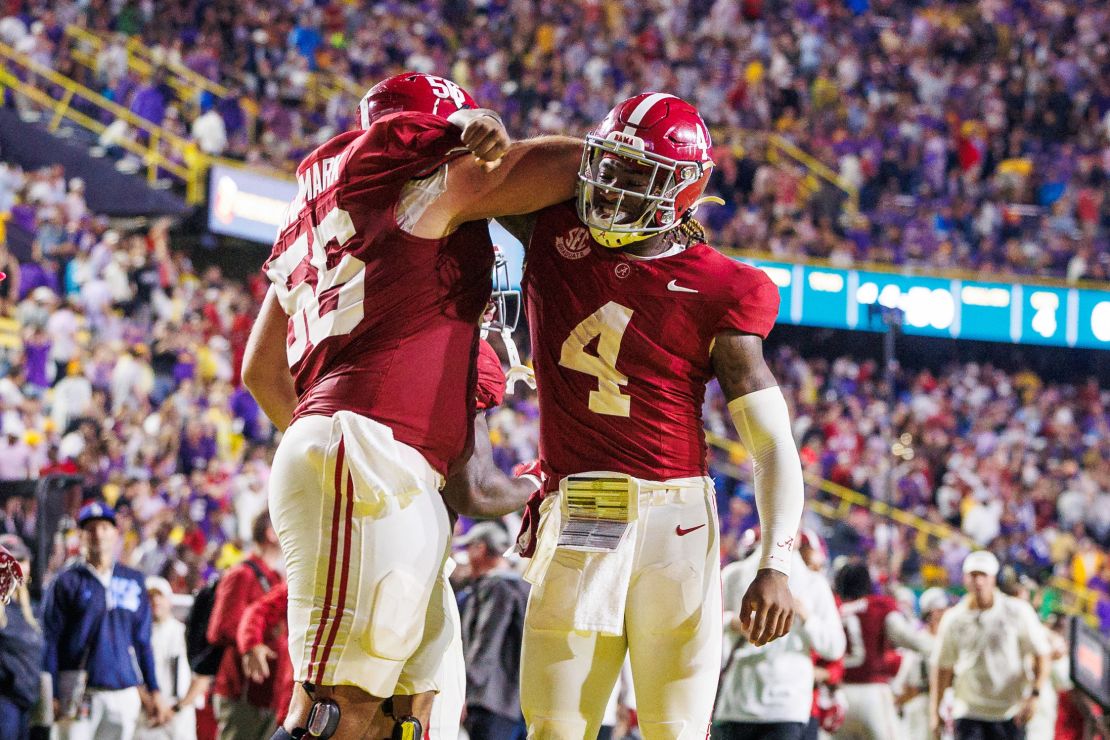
[621, 347]
[491, 378]
[381, 322]
[869, 658]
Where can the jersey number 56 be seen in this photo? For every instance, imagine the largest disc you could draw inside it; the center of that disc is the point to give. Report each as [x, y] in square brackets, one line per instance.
[334, 305]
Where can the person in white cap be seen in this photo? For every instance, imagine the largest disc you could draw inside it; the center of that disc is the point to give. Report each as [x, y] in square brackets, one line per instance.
[911, 685]
[983, 646]
[180, 686]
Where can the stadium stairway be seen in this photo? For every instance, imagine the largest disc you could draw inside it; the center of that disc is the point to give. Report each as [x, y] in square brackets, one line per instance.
[43, 95]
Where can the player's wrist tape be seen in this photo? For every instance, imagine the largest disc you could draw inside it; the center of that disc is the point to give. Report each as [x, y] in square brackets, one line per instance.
[763, 423]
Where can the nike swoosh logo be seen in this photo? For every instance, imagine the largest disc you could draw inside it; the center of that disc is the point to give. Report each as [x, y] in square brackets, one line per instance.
[673, 285]
[683, 532]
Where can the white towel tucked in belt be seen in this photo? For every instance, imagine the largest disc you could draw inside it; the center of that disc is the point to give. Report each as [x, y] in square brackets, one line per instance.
[603, 586]
[387, 475]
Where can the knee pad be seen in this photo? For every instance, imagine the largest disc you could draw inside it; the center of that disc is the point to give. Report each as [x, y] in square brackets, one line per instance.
[666, 599]
[396, 616]
[550, 728]
[677, 730]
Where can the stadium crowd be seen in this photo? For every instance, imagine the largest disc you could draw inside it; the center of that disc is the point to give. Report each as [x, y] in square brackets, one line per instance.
[976, 134]
[120, 366]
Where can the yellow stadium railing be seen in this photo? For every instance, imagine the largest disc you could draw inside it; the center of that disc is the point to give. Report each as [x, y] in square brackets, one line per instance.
[87, 46]
[1080, 600]
[779, 149]
[164, 150]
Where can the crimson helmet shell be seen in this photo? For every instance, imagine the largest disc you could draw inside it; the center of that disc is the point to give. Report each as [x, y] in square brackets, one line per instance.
[414, 92]
[656, 130]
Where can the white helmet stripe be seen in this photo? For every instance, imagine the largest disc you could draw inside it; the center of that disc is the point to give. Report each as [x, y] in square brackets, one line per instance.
[364, 112]
[642, 109]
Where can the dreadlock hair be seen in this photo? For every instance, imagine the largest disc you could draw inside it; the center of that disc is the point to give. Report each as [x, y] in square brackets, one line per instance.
[689, 232]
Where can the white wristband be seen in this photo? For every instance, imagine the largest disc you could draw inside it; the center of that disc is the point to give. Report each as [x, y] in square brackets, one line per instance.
[763, 423]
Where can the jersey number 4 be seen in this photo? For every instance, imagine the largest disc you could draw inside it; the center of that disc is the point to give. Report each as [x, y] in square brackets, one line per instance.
[608, 324]
[334, 305]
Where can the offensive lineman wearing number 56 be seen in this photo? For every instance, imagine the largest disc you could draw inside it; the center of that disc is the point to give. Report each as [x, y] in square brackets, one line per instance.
[631, 314]
[364, 355]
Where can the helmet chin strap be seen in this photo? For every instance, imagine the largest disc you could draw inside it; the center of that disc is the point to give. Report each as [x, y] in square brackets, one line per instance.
[706, 199]
[518, 371]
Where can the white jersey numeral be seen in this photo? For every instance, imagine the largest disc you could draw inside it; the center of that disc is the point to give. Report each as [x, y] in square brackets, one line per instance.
[857, 650]
[312, 323]
[701, 142]
[447, 90]
[608, 323]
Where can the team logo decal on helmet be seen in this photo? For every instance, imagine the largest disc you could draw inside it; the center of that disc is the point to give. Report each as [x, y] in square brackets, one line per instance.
[414, 92]
[644, 169]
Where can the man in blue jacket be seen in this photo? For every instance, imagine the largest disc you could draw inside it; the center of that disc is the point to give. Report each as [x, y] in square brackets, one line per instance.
[96, 625]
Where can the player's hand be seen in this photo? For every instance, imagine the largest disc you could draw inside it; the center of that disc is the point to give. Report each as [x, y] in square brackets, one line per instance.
[11, 575]
[487, 139]
[160, 711]
[767, 609]
[1028, 709]
[256, 663]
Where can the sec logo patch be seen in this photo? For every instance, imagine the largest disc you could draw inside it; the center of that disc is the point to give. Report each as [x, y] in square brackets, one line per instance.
[622, 269]
[573, 245]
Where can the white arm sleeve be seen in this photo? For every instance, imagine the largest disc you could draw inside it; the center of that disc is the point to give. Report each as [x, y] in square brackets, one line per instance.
[763, 422]
[902, 633]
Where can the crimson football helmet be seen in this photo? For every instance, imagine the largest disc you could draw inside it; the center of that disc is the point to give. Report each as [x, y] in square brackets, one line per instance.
[415, 92]
[644, 169]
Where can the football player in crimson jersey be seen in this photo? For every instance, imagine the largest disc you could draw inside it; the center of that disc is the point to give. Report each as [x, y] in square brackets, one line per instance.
[631, 314]
[364, 355]
[874, 627]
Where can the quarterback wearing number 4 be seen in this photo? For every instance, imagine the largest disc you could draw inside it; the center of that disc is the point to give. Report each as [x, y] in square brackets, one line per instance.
[364, 355]
[631, 314]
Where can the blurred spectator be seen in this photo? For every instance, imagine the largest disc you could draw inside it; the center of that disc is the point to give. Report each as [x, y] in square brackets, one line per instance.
[96, 625]
[244, 709]
[874, 626]
[767, 692]
[982, 648]
[209, 132]
[262, 640]
[911, 685]
[171, 665]
[492, 629]
[21, 650]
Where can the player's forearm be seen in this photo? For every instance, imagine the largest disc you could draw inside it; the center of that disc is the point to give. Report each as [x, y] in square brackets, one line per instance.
[533, 174]
[939, 681]
[763, 423]
[275, 396]
[1042, 666]
[485, 492]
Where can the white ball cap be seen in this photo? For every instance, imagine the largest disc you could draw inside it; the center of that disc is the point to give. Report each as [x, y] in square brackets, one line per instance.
[932, 599]
[981, 561]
